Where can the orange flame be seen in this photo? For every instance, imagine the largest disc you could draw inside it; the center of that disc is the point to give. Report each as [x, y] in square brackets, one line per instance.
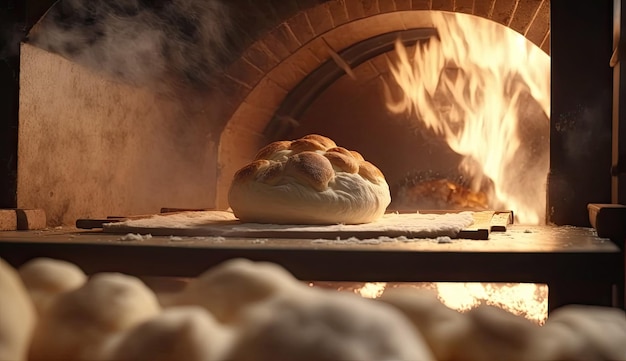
[473, 85]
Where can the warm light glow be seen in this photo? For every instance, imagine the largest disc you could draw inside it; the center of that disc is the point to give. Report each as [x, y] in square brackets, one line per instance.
[522, 299]
[372, 289]
[473, 85]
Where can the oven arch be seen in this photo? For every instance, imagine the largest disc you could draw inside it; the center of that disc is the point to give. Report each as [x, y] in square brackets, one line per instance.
[267, 71]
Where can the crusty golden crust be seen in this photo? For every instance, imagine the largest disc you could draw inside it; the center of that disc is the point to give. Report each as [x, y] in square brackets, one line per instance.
[272, 174]
[310, 168]
[341, 150]
[324, 141]
[309, 160]
[306, 145]
[251, 170]
[345, 163]
[357, 155]
[272, 148]
[369, 171]
[311, 142]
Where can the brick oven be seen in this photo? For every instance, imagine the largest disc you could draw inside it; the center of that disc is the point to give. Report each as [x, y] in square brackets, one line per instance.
[80, 143]
[258, 90]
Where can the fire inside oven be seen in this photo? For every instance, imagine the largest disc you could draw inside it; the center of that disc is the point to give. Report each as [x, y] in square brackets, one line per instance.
[418, 112]
[452, 102]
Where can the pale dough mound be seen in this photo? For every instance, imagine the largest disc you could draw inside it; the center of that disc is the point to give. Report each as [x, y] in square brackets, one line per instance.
[79, 324]
[578, 332]
[482, 334]
[309, 181]
[309, 324]
[257, 311]
[178, 333]
[17, 315]
[228, 288]
[46, 278]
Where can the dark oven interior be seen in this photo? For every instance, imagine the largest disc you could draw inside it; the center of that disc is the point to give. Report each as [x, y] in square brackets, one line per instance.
[146, 108]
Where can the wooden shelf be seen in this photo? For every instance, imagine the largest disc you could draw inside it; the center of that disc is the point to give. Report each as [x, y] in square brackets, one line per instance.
[557, 256]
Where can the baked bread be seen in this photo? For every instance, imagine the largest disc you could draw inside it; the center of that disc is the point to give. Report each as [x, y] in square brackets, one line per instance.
[309, 181]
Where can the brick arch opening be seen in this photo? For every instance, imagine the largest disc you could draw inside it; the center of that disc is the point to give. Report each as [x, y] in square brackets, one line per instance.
[277, 62]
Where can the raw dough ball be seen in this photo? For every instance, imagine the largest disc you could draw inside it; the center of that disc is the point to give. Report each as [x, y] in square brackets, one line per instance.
[583, 333]
[312, 324]
[441, 326]
[17, 315]
[46, 278]
[483, 333]
[79, 324]
[309, 181]
[179, 333]
[496, 334]
[226, 289]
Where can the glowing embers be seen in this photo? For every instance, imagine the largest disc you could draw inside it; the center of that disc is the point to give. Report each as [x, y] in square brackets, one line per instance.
[437, 193]
[486, 90]
[522, 299]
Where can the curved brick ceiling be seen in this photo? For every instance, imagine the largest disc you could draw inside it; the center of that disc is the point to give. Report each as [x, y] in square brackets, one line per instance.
[258, 81]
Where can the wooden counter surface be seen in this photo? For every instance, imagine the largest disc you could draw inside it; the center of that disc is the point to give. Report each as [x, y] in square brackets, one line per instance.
[521, 254]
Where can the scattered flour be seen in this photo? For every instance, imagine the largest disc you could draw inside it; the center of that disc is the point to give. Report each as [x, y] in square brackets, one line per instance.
[225, 224]
[379, 240]
[351, 240]
[218, 239]
[135, 237]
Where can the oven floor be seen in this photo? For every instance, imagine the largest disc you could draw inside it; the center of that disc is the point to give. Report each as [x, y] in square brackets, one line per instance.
[577, 266]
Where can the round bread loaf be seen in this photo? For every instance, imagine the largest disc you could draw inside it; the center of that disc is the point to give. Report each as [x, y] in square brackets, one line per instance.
[309, 181]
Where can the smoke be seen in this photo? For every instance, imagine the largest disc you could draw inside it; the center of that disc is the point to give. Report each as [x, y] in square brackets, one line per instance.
[163, 44]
